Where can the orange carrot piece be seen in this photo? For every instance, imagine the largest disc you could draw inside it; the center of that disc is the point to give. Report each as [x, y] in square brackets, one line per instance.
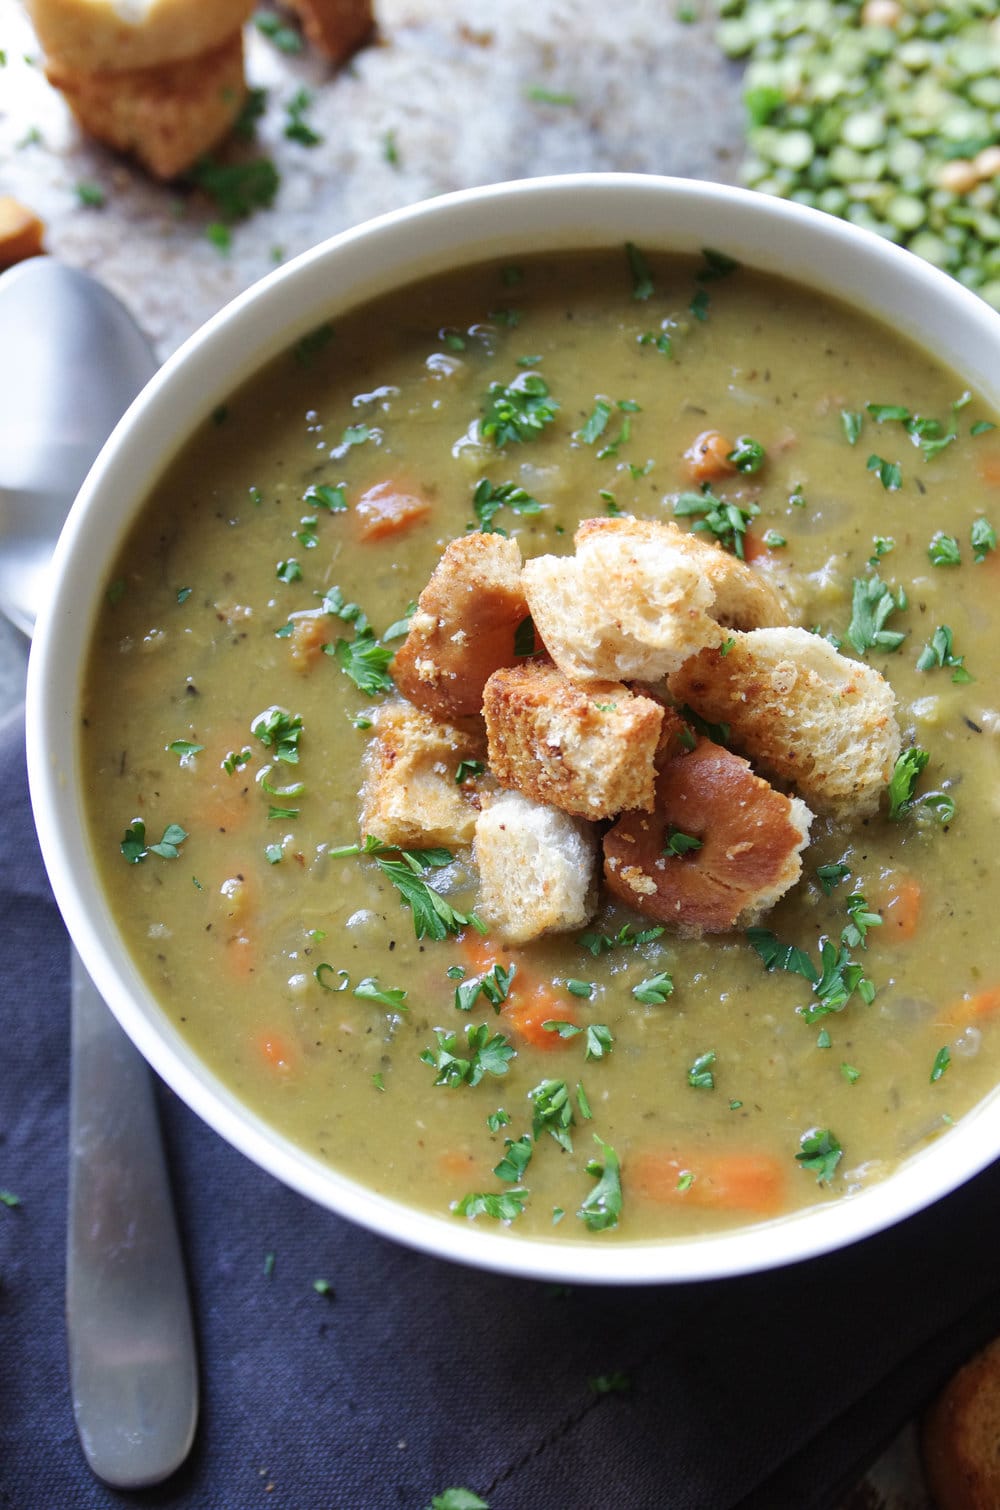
[707, 458]
[900, 905]
[530, 1005]
[456, 1163]
[988, 467]
[240, 956]
[307, 639]
[275, 1051]
[387, 509]
[970, 1009]
[754, 546]
[751, 1182]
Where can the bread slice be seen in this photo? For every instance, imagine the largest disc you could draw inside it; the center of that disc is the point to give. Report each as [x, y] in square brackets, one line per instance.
[166, 117]
[410, 796]
[587, 750]
[749, 845]
[629, 606]
[743, 598]
[336, 28]
[464, 626]
[537, 868]
[959, 1437]
[116, 36]
[802, 712]
[21, 232]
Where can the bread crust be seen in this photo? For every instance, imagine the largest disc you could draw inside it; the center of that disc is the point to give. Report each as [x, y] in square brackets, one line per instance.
[21, 232]
[803, 712]
[587, 750]
[97, 36]
[165, 117]
[751, 840]
[410, 796]
[464, 626]
[537, 868]
[743, 598]
[959, 1435]
[335, 28]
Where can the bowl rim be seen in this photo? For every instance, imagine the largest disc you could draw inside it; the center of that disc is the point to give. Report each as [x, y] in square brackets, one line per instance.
[402, 246]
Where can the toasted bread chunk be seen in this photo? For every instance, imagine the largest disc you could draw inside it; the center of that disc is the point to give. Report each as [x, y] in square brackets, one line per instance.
[112, 36]
[336, 28]
[588, 750]
[802, 712]
[410, 796]
[165, 117]
[629, 606]
[750, 842]
[464, 626]
[536, 868]
[743, 598]
[959, 1436]
[21, 232]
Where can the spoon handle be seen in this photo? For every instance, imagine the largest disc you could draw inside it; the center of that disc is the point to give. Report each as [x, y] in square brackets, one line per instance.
[133, 1369]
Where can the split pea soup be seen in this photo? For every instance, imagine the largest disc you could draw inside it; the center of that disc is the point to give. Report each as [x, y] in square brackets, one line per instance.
[617, 1082]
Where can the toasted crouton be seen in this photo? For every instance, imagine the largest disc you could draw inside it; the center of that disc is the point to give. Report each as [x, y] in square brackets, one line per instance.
[111, 36]
[21, 232]
[165, 117]
[536, 868]
[743, 598]
[588, 750]
[959, 1435]
[464, 626]
[410, 795]
[630, 605]
[336, 28]
[742, 851]
[802, 712]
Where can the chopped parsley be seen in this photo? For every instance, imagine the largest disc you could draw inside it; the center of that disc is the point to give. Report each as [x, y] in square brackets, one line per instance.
[903, 781]
[700, 1074]
[852, 422]
[488, 1054]
[983, 539]
[872, 605]
[890, 473]
[285, 38]
[237, 189]
[135, 848]
[321, 496]
[603, 943]
[821, 1152]
[726, 521]
[433, 915]
[370, 990]
[942, 1059]
[288, 571]
[517, 1157]
[681, 844]
[280, 731]
[494, 985]
[655, 989]
[519, 411]
[601, 1207]
[488, 500]
[183, 748]
[699, 304]
[502, 1206]
[468, 770]
[599, 1041]
[944, 550]
[642, 281]
[747, 455]
[552, 1112]
[297, 129]
[939, 652]
[831, 875]
[365, 661]
[850, 1074]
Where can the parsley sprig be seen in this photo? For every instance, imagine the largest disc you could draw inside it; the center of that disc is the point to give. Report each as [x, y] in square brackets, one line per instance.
[519, 411]
[488, 500]
[135, 848]
[433, 915]
[488, 1054]
[719, 517]
[601, 1207]
[872, 604]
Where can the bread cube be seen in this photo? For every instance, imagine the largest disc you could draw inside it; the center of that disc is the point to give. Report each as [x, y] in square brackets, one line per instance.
[410, 796]
[537, 868]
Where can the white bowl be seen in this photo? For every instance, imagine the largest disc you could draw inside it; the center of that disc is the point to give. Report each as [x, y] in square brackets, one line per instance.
[545, 214]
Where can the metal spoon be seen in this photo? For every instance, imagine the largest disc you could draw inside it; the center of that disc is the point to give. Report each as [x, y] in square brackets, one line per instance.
[72, 361]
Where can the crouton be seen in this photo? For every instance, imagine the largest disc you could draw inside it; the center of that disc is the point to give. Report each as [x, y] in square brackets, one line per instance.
[802, 712]
[537, 868]
[959, 1435]
[410, 796]
[336, 28]
[739, 845]
[113, 36]
[21, 232]
[630, 605]
[744, 599]
[464, 626]
[165, 117]
[587, 750]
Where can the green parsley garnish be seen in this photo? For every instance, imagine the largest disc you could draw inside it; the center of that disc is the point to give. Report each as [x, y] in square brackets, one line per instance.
[370, 990]
[552, 1112]
[601, 1207]
[603, 943]
[820, 1152]
[655, 989]
[747, 455]
[502, 1206]
[488, 500]
[285, 38]
[488, 1054]
[321, 496]
[642, 282]
[135, 848]
[468, 770]
[700, 1074]
[681, 844]
[517, 1157]
[939, 652]
[872, 604]
[852, 422]
[280, 732]
[850, 1074]
[830, 876]
[184, 747]
[983, 539]
[519, 411]
[890, 473]
[903, 781]
[365, 661]
[942, 1059]
[944, 550]
[699, 304]
[600, 1041]
[288, 571]
[726, 521]
[494, 985]
[91, 194]
[237, 189]
[297, 128]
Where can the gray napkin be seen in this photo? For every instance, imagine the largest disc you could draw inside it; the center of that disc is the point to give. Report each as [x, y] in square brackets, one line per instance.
[413, 1374]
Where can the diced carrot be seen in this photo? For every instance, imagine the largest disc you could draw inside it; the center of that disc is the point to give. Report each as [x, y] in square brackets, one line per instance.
[276, 1052]
[241, 956]
[988, 467]
[456, 1163]
[707, 457]
[387, 509]
[754, 546]
[530, 1005]
[900, 905]
[752, 1182]
[306, 641]
[970, 1009]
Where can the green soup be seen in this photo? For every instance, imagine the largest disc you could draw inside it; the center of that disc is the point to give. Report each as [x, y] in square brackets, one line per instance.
[664, 1085]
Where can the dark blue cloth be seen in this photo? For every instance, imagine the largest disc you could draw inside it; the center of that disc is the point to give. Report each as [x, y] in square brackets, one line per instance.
[415, 1375]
